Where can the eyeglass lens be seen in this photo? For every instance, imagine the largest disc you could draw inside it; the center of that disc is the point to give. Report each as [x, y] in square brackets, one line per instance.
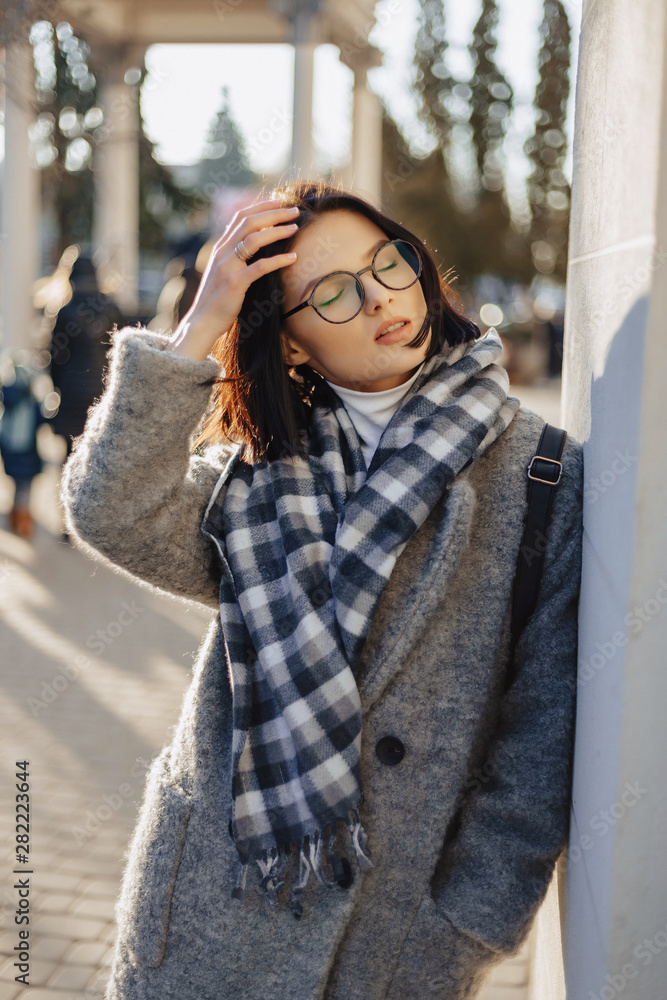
[338, 297]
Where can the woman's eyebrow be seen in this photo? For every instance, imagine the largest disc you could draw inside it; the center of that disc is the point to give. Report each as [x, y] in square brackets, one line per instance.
[369, 253]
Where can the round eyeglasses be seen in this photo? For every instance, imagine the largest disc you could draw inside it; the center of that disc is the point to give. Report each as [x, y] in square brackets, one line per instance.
[339, 297]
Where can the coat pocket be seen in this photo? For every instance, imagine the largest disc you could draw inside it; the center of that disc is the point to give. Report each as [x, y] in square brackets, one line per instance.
[439, 961]
[144, 904]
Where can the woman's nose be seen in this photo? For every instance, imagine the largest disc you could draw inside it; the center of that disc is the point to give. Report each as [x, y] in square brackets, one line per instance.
[375, 292]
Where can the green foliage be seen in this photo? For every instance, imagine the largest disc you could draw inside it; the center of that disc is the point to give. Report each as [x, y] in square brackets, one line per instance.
[467, 119]
[160, 196]
[70, 127]
[491, 99]
[432, 77]
[65, 130]
[225, 161]
[455, 198]
[548, 189]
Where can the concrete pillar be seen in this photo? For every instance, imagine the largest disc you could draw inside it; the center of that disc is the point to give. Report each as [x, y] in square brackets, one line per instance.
[21, 200]
[365, 175]
[302, 165]
[615, 368]
[116, 217]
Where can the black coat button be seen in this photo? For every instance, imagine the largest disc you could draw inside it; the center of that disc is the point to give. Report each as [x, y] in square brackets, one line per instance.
[390, 750]
[347, 878]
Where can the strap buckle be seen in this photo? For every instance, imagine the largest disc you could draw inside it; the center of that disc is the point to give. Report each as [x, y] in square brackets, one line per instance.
[552, 461]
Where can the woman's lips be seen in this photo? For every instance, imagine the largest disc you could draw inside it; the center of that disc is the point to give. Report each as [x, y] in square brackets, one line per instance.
[393, 338]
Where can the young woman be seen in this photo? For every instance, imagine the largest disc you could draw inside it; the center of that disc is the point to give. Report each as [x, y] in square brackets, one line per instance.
[356, 805]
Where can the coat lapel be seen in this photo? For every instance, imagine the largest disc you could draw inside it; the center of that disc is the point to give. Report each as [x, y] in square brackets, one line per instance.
[211, 522]
[415, 588]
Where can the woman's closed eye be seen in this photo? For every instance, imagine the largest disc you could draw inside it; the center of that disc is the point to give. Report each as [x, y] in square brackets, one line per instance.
[330, 301]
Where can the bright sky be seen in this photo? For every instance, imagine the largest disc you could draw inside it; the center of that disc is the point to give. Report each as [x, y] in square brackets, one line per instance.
[182, 93]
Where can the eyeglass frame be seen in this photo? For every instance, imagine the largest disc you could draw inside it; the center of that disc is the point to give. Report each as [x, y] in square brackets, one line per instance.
[356, 275]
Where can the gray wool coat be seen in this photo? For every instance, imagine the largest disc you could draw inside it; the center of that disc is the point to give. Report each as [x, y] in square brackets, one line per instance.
[464, 832]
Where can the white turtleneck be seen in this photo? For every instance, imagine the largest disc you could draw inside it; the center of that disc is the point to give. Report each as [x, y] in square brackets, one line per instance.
[370, 412]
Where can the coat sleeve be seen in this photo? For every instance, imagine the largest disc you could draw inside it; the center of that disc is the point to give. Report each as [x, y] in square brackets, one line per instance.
[514, 825]
[132, 491]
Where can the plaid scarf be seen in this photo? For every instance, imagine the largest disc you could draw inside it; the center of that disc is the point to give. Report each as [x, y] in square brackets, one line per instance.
[308, 547]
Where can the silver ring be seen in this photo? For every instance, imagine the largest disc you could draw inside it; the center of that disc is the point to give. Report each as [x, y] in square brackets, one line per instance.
[241, 252]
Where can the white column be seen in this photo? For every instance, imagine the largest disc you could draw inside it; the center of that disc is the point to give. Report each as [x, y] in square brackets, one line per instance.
[366, 162]
[116, 221]
[20, 200]
[614, 391]
[302, 165]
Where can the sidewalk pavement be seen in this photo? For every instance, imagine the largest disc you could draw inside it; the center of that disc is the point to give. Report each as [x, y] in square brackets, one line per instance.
[94, 671]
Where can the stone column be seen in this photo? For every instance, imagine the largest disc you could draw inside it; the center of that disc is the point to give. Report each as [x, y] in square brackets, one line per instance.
[21, 200]
[363, 173]
[614, 391]
[366, 160]
[302, 164]
[116, 217]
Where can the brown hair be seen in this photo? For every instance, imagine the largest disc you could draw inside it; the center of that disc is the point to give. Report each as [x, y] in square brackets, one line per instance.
[259, 401]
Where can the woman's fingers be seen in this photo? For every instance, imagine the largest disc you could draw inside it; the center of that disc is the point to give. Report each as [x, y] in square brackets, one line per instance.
[260, 206]
[272, 263]
[251, 217]
[256, 231]
[226, 278]
[262, 220]
[254, 240]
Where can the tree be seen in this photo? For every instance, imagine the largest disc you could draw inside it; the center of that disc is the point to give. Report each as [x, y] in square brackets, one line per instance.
[225, 161]
[69, 127]
[417, 192]
[462, 204]
[420, 189]
[433, 81]
[548, 189]
[64, 132]
[160, 196]
[491, 100]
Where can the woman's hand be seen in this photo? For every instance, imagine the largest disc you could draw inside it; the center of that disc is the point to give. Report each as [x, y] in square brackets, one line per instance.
[227, 278]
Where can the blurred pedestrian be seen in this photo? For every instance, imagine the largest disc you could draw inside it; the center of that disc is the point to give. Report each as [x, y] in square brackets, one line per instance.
[79, 343]
[21, 415]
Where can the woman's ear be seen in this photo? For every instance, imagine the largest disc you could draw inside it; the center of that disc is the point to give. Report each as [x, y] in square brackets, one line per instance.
[292, 354]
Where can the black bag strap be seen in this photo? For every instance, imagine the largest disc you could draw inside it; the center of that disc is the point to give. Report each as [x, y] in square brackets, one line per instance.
[544, 474]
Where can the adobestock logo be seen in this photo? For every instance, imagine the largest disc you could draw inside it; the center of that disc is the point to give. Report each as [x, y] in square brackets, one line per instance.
[635, 620]
[98, 641]
[604, 820]
[644, 952]
[594, 488]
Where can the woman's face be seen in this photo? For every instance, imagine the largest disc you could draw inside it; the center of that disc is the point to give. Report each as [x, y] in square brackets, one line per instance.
[348, 354]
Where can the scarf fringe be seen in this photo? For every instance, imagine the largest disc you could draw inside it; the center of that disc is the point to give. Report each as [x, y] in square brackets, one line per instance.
[310, 859]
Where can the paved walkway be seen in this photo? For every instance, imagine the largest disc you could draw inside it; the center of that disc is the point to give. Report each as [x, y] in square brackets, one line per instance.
[95, 668]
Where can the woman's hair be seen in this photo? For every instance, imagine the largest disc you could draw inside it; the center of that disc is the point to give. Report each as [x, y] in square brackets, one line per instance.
[261, 402]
